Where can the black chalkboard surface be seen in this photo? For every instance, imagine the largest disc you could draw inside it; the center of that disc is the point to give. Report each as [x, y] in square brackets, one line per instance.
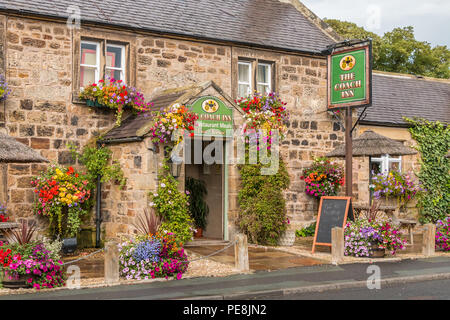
[333, 212]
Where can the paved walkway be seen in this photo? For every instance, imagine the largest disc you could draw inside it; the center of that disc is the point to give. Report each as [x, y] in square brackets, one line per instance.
[292, 280]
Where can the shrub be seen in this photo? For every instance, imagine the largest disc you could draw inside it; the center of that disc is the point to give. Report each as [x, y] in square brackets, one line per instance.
[198, 207]
[323, 178]
[153, 256]
[262, 213]
[307, 231]
[443, 234]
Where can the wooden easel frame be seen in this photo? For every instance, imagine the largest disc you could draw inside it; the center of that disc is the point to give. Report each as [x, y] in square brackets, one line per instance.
[349, 200]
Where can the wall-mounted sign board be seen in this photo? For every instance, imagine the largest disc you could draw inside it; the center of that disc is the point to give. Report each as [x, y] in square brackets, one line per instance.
[215, 118]
[333, 212]
[349, 77]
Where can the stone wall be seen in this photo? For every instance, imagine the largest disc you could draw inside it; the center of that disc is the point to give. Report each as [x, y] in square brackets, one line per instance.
[42, 114]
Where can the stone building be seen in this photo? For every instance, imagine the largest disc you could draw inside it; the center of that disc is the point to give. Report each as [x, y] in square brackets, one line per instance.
[51, 50]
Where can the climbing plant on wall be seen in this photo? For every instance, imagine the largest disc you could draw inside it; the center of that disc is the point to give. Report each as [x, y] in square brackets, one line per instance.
[433, 143]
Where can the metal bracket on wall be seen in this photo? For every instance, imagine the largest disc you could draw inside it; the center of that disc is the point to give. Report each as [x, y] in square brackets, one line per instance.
[362, 116]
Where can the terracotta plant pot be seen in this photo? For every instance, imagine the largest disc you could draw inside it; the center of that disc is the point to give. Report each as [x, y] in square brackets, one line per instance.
[198, 233]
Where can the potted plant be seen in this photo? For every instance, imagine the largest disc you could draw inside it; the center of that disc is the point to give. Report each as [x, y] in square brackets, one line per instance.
[114, 94]
[371, 238]
[3, 217]
[4, 89]
[323, 178]
[288, 236]
[199, 209]
[64, 197]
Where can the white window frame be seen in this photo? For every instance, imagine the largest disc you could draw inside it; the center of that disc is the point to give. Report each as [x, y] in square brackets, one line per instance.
[385, 160]
[268, 84]
[97, 58]
[122, 70]
[250, 73]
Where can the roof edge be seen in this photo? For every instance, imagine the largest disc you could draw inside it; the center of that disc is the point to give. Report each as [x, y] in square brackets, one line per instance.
[312, 17]
[410, 76]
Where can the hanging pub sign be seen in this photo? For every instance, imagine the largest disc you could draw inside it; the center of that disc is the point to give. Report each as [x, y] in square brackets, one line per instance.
[350, 75]
[214, 117]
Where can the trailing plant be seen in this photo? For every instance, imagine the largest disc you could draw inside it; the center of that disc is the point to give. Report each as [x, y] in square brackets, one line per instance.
[63, 197]
[153, 256]
[262, 207]
[172, 206]
[323, 178]
[198, 208]
[4, 89]
[433, 143]
[395, 185]
[306, 231]
[97, 163]
[168, 121]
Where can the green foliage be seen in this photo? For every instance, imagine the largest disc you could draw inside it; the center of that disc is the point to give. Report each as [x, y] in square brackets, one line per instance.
[197, 205]
[96, 160]
[433, 139]
[399, 51]
[262, 215]
[172, 206]
[308, 231]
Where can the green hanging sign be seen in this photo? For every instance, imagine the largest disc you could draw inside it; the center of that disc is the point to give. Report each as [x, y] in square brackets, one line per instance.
[214, 117]
[349, 77]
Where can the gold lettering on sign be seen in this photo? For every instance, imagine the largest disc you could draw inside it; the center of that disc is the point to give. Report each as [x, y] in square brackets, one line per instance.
[347, 84]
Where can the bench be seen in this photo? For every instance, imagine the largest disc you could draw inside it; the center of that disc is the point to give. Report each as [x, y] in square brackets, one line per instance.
[7, 226]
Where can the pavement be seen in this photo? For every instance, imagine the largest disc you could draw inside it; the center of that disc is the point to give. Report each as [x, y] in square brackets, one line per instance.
[284, 282]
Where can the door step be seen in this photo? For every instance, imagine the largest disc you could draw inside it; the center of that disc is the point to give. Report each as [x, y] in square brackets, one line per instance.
[206, 242]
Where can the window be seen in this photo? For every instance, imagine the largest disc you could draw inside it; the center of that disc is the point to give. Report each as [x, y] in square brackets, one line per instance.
[92, 65]
[248, 80]
[245, 79]
[386, 164]
[115, 62]
[89, 63]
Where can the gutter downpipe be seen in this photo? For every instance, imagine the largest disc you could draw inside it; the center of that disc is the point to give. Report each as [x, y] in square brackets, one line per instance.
[98, 205]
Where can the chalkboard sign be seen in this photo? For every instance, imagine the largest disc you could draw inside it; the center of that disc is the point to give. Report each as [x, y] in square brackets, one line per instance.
[333, 212]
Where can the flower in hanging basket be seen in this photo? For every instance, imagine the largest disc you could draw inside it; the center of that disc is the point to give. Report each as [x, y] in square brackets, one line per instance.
[168, 121]
[263, 116]
[4, 89]
[63, 196]
[323, 178]
[115, 94]
[3, 217]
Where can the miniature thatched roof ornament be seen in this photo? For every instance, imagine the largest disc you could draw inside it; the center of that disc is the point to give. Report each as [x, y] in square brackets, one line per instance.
[13, 151]
[373, 144]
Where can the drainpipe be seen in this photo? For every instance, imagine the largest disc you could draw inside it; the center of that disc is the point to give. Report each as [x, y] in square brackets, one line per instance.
[98, 208]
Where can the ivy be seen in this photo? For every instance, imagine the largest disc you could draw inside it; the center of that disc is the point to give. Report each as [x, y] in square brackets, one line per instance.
[96, 160]
[433, 139]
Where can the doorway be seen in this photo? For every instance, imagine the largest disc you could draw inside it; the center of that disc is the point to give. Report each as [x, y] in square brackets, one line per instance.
[212, 176]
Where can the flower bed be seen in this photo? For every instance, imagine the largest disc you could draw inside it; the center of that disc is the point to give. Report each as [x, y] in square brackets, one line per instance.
[443, 234]
[153, 256]
[363, 235]
[33, 262]
[323, 178]
[176, 117]
[115, 94]
[63, 197]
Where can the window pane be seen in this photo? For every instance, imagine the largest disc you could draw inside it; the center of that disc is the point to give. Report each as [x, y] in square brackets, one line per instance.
[263, 88]
[115, 74]
[244, 72]
[88, 54]
[375, 167]
[114, 57]
[87, 76]
[263, 73]
[244, 90]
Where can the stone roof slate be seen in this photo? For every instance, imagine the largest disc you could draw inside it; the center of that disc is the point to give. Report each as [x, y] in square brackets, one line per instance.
[267, 23]
[395, 97]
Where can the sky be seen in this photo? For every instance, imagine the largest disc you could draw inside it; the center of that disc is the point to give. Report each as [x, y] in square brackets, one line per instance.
[430, 18]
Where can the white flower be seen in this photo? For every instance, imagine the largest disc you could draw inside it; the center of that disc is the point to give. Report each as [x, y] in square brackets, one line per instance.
[151, 204]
